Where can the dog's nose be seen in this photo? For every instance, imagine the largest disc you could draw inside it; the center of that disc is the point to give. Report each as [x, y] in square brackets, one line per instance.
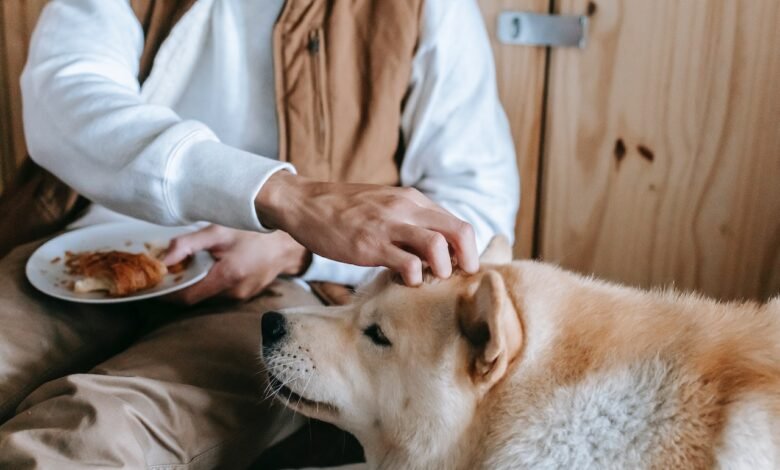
[274, 328]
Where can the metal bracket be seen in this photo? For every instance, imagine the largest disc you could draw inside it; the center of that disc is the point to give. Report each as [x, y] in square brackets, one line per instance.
[536, 29]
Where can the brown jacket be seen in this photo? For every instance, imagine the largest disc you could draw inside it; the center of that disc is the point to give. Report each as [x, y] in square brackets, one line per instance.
[342, 70]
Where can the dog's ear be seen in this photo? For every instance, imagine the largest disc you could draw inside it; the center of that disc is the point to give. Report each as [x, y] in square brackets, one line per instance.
[498, 251]
[491, 325]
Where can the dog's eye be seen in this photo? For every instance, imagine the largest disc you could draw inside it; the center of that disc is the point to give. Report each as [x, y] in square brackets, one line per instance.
[377, 335]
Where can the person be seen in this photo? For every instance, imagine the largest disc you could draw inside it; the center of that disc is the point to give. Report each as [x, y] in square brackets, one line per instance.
[319, 139]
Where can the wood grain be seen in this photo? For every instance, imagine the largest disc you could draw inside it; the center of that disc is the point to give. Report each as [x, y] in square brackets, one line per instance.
[6, 149]
[690, 89]
[521, 77]
[17, 21]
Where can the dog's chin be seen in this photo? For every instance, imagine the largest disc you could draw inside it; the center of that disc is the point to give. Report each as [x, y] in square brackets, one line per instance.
[306, 406]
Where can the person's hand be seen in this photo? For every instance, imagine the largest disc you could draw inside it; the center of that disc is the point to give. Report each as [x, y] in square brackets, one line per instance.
[369, 225]
[246, 262]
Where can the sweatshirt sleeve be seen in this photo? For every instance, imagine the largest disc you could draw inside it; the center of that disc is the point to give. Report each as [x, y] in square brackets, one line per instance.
[86, 122]
[459, 149]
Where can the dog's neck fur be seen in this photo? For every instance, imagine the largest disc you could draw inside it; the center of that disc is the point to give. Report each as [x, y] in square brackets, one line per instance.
[440, 446]
[454, 453]
[416, 454]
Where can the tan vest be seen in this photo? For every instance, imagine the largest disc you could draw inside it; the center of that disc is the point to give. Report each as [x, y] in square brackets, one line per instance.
[342, 71]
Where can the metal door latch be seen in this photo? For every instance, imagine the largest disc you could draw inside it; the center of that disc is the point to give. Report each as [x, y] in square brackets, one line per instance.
[536, 29]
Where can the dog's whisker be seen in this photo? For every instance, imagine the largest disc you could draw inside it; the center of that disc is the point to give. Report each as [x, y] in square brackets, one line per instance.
[268, 391]
[283, 383]
[301, 395]
[273, 391]
[287, 403]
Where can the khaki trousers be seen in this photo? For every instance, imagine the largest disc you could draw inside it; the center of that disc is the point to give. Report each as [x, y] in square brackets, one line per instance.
[137, 385]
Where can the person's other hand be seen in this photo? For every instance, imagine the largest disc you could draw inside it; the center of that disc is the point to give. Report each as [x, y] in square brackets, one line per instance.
[246, 262]
[369, 225]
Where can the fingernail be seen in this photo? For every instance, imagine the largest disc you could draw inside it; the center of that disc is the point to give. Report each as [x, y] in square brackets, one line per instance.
[472, 268]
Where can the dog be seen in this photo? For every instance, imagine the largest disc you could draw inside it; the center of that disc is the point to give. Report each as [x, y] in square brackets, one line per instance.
[525, 365]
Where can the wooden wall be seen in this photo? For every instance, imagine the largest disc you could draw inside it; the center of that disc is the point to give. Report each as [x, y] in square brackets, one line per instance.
[662, 156]
[17, 19]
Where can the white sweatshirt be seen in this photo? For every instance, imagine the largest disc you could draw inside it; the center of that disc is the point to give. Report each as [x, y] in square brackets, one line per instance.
[199, 139]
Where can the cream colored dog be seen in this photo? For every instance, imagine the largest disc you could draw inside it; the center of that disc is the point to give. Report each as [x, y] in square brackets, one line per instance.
[527, 366]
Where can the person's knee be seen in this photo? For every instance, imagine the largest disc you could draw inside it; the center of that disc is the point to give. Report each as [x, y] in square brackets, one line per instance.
[140, 421]
[76, 419]
[89, 403]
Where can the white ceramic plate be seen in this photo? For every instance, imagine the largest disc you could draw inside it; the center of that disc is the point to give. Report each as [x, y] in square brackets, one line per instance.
[47, 272]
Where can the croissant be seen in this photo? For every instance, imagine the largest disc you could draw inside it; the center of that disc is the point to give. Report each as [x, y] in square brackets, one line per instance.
[120, 273]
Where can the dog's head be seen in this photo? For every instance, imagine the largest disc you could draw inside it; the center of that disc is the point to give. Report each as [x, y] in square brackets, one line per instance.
[400, 367]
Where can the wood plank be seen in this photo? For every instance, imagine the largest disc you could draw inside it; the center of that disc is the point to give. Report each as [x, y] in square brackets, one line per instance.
[18, 21]
[6, 148]
[662, 158]
[521, 75]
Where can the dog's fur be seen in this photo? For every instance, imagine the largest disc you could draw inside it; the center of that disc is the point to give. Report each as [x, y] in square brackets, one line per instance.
[524, 365]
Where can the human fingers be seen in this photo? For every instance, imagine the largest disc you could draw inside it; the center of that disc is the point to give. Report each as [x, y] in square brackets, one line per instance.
[408, 265]
[212, 285]
[428, 245]
[457, 233]
[186, 245]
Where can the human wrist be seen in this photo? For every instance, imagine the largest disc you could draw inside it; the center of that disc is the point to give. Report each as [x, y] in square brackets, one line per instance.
[293, 258]
[273, 199]
[296, 260]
